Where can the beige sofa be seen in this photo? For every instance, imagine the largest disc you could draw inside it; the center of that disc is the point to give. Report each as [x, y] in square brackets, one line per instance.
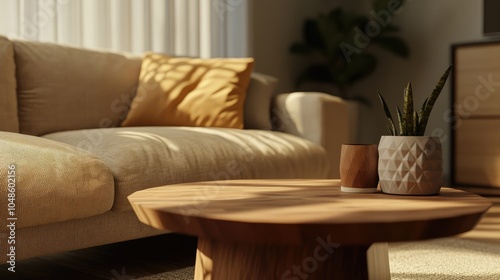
[60, 114]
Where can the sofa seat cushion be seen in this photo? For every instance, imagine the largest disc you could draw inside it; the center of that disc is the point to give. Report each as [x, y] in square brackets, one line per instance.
[145, 157]
[52, 181]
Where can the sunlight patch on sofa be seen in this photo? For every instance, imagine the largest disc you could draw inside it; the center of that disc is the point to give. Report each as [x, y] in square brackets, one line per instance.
[149, 136]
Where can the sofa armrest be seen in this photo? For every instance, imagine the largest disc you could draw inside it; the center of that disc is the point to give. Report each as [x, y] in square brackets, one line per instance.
[318, 117]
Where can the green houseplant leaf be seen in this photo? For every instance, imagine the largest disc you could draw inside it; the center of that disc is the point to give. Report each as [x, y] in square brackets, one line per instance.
[393, 44]
[422, 109]
[408, 111]
[361, 66]
[390, 28]
[402, 127]
[432, 99]
[388, 114]
[301, 48]
[316, 73]
[312, 35]
[415, 123]
[382, 5]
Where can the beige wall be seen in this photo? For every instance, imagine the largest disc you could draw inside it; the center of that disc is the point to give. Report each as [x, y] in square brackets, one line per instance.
[275, 25]
[429, 26]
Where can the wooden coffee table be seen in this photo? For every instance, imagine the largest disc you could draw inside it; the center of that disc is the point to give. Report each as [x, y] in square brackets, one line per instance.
[299, 229]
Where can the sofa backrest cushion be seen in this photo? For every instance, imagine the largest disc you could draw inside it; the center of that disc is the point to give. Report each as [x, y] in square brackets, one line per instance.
[8, 100]
[62, 88]
[257, 109]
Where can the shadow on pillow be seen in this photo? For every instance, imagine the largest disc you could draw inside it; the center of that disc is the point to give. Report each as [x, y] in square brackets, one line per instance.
[178, 91]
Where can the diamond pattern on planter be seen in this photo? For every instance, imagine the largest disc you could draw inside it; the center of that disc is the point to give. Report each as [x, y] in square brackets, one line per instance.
[410, 165]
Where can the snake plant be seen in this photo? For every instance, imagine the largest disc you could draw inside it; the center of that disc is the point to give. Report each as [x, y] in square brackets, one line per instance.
[412, 123]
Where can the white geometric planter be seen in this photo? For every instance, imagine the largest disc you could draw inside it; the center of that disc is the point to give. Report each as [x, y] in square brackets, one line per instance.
[410, 165]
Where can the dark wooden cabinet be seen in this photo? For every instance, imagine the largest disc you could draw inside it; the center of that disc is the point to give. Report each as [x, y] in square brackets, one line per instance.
[476, 117]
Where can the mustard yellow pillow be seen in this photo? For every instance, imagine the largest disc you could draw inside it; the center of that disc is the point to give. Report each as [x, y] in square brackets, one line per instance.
[179, 91]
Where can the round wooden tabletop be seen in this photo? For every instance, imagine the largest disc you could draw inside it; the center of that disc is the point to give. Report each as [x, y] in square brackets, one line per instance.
[297, 211]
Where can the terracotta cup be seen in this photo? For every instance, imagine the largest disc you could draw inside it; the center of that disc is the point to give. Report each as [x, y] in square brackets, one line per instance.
[359, 168]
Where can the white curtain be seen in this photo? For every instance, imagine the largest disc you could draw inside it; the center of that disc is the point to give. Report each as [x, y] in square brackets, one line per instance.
[198, 28]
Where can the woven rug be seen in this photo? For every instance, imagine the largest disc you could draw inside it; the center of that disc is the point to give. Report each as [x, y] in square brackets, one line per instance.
[439, 259]
[445, 259]
[186, 273]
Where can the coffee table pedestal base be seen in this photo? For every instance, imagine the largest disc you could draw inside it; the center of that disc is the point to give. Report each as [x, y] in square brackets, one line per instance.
[217, 260]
